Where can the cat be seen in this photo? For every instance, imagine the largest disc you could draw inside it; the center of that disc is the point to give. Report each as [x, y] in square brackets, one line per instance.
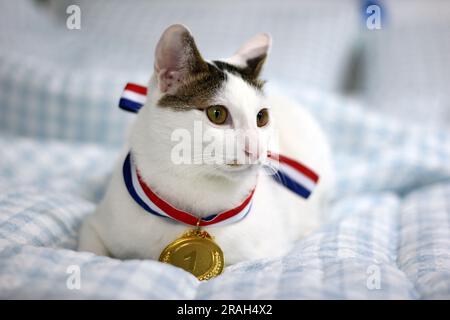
[222, 94]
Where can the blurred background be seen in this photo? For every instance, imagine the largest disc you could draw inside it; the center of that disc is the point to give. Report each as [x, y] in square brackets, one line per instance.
[61, 83]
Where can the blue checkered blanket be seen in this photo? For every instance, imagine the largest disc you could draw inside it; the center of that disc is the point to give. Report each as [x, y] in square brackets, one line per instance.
[387, 233]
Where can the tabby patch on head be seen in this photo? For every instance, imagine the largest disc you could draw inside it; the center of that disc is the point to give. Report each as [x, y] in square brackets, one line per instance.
[187, 81]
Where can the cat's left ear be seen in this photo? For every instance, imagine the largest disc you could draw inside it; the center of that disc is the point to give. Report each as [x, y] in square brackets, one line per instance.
[252, 54]
[177, 58]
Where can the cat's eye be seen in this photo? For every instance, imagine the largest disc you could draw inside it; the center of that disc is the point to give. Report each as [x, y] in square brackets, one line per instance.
[262, 118]
[217, 114]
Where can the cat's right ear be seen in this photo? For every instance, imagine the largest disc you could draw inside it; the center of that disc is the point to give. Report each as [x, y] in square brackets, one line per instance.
[176, 58]
[252, 54]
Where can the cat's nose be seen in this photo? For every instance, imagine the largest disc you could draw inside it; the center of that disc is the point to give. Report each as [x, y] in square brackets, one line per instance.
[252, 153]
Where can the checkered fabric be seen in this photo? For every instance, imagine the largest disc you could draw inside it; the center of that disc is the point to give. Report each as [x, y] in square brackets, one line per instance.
[387, 234]
[388, 229]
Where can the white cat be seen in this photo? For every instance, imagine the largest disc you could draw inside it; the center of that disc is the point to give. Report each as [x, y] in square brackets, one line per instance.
[181, 91]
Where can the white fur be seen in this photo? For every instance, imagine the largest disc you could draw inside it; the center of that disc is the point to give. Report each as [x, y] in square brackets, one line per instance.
[122, 229]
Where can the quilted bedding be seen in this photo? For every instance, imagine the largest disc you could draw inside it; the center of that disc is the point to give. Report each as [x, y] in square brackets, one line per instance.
[387, 234]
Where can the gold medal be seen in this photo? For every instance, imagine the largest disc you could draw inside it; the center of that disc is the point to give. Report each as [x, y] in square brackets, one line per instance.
[195, 252]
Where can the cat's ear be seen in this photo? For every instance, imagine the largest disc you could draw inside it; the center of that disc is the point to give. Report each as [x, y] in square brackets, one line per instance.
[252, 54]
[176, 58]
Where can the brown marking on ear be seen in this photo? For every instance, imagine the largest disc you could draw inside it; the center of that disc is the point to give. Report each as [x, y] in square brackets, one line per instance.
[249, 74]
[199, 83]
[197, 90]
[194, 61]
[254, 66]
[202, 80]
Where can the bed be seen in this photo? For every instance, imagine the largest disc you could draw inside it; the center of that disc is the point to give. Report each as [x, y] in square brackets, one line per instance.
[387, 230]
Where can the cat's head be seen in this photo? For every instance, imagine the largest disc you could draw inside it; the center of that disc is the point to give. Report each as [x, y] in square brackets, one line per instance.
[205, 118]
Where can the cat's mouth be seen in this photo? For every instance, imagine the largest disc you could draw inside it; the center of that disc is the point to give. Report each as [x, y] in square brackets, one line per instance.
[239, 164]
[236, 166]
[243, 162]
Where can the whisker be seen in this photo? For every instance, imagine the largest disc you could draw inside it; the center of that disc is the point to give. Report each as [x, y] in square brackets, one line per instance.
[275, 172]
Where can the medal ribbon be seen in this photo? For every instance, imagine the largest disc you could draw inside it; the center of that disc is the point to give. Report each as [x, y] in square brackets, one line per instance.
[292, 174]
[152, 203]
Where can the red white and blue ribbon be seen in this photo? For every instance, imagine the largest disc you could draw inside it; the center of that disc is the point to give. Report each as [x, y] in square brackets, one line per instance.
[293, 175]
[133, 97]
[290, 173]
[153, 204]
